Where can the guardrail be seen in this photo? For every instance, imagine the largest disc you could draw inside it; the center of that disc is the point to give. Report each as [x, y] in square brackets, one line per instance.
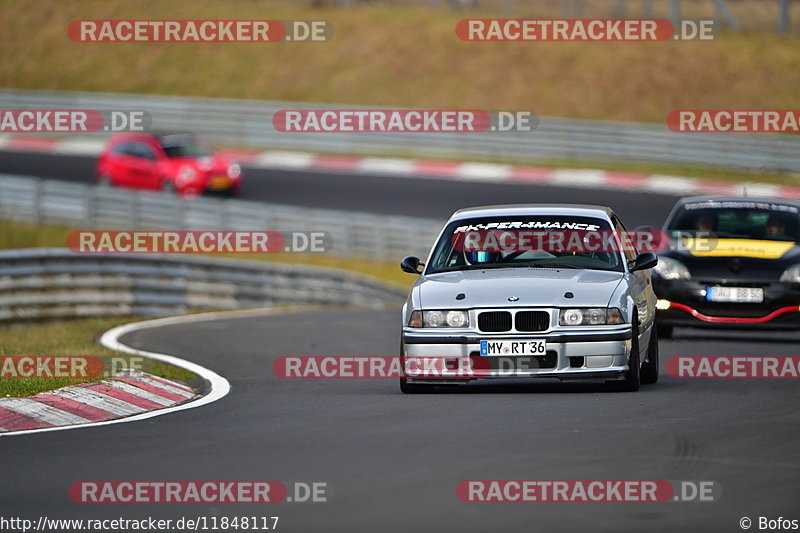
[249, 123]
[379, 237]
[48, 283]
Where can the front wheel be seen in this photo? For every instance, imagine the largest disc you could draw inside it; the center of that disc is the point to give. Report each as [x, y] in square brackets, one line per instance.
[650, 368]
[167, 187]
[664, 331]
[632, 380]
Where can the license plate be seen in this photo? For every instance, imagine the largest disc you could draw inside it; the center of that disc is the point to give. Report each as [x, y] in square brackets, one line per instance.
[219, 182]
[735, 294]
[514, 347]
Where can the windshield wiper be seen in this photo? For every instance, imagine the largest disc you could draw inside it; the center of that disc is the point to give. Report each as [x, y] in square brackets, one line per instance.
[477, 267]
[556, 265]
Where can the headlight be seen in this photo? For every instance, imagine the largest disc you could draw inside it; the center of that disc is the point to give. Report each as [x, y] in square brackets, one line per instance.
[439, 319]
[791, 274]
[590, 316]
[234, 170]
[186, 175]
[669, 268]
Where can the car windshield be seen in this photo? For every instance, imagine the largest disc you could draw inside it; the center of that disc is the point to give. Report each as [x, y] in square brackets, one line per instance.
[525, 235]
[738, 220]
[183, 146]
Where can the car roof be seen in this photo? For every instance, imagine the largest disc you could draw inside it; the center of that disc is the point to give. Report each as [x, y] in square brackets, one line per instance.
[720, 198]
[157, 134]
[597, 211]
[167, 133]
[132, 136]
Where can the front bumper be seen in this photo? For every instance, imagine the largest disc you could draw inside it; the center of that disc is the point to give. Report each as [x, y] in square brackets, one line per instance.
[220, 185]
[570, 356]
[683, 303]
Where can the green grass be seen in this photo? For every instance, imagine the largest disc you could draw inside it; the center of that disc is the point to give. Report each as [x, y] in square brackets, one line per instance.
[405, 56]
[73, 338]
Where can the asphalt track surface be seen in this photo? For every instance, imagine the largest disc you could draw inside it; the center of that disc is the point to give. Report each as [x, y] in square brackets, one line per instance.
[391, 461]
[419, 197]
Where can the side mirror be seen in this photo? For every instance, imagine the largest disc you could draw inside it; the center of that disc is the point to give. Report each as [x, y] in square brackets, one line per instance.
[643, 262]
[411, 264]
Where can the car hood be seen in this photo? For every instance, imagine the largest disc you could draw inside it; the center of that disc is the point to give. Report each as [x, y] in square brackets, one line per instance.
[532, 287]
[742, 260]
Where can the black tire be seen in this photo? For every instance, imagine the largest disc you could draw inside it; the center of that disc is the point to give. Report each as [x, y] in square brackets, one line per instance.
[649, 374]
[167, 187]
[415, 388]
[632, 380]
[664, 331]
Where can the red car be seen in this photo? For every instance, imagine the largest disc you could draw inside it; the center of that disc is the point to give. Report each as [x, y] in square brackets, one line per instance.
[175, 162]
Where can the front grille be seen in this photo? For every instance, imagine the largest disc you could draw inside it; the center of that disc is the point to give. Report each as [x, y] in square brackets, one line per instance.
[494, 321]
[532, 320]
[506, 363]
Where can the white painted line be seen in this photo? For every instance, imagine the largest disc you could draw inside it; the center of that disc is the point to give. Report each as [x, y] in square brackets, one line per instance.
[284, 160]
[382, 165]
[671, 185]
[99, 400]
[41, 411]
[79, 147]
[578, 178]
[141, 393]
[219, 386]
[762, 189]
[483, 172]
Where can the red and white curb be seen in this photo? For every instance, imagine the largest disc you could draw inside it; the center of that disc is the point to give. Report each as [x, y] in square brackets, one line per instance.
[123, 395]
[445, 170]
[128, 397]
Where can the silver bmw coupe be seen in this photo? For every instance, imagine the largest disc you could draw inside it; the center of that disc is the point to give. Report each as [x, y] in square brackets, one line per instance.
[530, 291]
